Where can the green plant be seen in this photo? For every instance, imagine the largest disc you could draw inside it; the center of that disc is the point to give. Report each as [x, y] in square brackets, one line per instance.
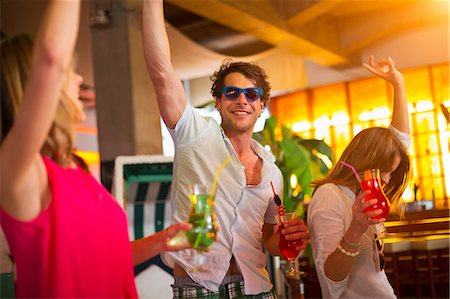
[295, 156]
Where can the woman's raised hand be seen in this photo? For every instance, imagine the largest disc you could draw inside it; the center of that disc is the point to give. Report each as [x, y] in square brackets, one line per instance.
[385, 69]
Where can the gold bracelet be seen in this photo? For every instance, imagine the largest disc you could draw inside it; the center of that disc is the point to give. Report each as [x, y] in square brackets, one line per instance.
[351, 244]
[347, 253]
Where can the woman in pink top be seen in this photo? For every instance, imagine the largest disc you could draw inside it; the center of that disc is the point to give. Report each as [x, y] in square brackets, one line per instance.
[66, 234]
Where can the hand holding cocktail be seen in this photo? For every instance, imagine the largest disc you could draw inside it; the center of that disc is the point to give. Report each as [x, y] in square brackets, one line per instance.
[171, 232]
[293, 238]
[371, 182]
[204, 227]
[203, 221]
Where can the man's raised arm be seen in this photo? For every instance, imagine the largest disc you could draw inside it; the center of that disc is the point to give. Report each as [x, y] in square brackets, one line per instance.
[168, 87]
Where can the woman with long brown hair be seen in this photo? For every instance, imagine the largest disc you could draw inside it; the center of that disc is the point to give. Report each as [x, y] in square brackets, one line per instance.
[346, 238]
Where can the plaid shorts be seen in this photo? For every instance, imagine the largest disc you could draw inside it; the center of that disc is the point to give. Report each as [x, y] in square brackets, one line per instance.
[227, 291]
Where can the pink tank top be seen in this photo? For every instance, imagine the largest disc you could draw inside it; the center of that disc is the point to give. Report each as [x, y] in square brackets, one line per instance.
[76, 248]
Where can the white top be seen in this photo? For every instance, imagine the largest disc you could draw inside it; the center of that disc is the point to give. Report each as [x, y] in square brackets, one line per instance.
[241, 210]
[404, 138]
[329, 216]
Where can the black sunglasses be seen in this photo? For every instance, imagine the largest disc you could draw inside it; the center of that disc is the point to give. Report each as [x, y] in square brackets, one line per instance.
[251, 93]
[380, 252]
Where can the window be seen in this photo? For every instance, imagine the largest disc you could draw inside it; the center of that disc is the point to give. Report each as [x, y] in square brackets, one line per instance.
[338, 112]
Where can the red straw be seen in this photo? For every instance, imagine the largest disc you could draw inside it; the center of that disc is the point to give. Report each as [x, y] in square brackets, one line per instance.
[273, 189]
[353, 169]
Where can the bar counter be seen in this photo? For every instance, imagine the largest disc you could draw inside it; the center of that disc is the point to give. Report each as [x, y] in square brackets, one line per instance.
[416, 249]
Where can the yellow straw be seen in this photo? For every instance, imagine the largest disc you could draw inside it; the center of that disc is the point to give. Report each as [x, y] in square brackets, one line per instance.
[213, 190]
[216, 176]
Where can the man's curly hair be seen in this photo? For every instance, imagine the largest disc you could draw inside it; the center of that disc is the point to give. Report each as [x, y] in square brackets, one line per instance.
[248, 69]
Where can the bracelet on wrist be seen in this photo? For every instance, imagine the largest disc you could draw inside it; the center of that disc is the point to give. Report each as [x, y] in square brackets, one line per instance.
[347, 253]
[350, 244]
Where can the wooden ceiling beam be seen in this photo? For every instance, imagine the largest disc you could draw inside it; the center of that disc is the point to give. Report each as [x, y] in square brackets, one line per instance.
[380, 26]
[259, 24]
[312, 12]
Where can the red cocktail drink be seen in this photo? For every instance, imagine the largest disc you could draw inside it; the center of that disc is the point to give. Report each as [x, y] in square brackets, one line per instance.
[372, 182]
[288, 247]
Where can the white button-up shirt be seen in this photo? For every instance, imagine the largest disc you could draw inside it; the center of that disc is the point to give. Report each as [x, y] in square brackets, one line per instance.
[241, 210]
[329, 216]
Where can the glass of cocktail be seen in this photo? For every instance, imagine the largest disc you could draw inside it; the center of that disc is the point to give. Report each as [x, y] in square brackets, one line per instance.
[204, 227]
[288, 248]
[203, 221]
[372, 182]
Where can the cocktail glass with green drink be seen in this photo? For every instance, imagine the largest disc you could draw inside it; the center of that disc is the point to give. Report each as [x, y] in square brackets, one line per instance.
[201, 216]
[203, 221]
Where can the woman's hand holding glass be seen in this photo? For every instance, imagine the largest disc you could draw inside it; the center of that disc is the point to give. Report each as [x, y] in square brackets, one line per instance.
[171, 232]
[203, 230]
[362, 217]
[202, 219]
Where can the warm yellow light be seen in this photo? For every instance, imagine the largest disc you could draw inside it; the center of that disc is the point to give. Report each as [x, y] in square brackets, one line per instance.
[91, 158]
[296, 191]
[442, 123]
[377, 113]
[293, 181]
[322, 122]
[306, 199]
[322, 134]
[382, 112]
[339, 119]
[446, 163]
[324, 158]
[86, 130]
[301, 126]
[425, 105]
[365, 116]
[357, 128]
[407, 196]
[278, 133]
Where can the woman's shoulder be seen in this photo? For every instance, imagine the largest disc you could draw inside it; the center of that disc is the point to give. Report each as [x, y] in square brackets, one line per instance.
[404, 138]
[328, 188]
[330, 196]
[27, 198]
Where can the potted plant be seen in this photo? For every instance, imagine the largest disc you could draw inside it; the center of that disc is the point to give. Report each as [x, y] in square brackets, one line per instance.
[300, 160]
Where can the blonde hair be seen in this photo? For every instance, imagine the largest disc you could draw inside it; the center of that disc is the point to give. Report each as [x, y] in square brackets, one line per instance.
[372, 148]
[16, 56]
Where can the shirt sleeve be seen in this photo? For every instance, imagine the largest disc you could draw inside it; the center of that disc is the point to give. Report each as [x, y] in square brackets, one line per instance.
[404, 138]
[190, 127]
[326, 220]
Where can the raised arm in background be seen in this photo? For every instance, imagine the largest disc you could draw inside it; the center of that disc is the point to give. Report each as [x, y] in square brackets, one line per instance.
[385, 69]
[168, 87]
[21, 170]
[337, 266]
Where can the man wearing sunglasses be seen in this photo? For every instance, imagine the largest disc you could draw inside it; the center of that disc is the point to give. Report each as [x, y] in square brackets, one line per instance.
[244, 205]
